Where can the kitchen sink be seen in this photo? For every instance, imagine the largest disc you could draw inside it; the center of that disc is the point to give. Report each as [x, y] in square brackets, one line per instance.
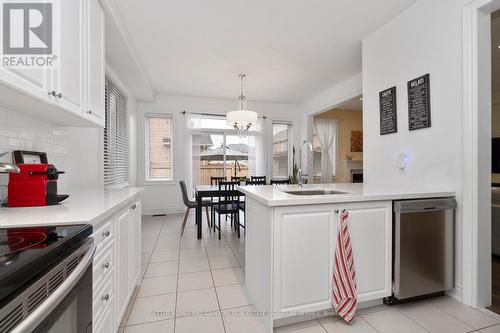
[313, 192]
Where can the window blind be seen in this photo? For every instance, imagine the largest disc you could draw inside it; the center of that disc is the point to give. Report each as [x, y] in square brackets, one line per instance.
[116, 157]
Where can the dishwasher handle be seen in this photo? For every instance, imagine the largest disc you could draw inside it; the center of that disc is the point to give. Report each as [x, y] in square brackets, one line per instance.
[426, 205]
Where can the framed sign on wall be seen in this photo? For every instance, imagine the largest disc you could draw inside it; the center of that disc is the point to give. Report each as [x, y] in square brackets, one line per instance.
[419, 103]
[388, 111]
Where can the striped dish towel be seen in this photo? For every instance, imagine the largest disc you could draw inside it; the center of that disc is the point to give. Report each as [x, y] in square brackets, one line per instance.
[344, 296]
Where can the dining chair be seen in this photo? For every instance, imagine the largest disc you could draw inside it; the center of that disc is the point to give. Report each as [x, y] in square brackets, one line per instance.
[239, 179]
[259, 178]
[190, 204]
[227, 205]
[216, 180]
[280, 181]
[255, 182]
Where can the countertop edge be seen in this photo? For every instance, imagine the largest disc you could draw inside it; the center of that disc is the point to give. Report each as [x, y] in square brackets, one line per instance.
[344, 198]
[93, 219]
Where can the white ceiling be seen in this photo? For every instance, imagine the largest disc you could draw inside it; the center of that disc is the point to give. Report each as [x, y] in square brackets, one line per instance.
[289, 49]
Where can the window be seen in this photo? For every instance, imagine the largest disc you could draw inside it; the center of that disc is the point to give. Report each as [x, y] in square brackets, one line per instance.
[158, 147]
[116, 157]
[281, 160]
[217, 151]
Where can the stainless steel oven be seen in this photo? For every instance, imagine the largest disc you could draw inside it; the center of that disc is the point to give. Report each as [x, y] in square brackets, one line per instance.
[56, 300]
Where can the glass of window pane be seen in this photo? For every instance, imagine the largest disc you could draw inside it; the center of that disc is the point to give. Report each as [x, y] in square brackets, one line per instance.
[208, 157]
[280, 150]
[160, 148]
[237, 151]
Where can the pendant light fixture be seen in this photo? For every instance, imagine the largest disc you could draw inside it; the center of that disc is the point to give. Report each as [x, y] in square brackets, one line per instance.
[241, 119]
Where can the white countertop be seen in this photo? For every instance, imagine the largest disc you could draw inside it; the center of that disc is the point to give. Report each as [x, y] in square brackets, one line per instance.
[88, 206]
[274, 195]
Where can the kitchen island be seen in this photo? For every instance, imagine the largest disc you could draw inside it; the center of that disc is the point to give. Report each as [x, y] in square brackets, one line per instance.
[290, 241]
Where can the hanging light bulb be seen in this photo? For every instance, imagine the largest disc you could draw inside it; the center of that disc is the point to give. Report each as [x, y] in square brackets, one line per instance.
[241, 119]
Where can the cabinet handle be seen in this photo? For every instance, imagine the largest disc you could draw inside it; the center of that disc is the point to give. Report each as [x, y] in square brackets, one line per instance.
[58, 95]
[336, 211]
[52, 93]
[105, 234]
[105, 298]
[89, 112]
[134, 206]
[106, 265]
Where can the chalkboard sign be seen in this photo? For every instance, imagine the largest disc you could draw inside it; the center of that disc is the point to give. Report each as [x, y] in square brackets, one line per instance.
[388, 111]
[419, 103]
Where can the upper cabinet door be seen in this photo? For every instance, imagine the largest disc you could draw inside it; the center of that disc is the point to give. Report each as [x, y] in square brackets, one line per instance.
[95, 64]
[35, 82]
[68, 75]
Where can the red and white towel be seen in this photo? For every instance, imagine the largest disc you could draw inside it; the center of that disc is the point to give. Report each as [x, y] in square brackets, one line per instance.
[344, 296]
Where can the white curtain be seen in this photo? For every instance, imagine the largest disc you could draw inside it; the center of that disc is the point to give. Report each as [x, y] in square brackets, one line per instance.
[326, 132]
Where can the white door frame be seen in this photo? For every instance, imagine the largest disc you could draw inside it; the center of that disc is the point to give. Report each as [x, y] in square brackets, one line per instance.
[476, 153]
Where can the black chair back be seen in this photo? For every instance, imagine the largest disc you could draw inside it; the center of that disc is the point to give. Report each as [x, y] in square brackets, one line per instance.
[280, 181]
[259, 179]
[255, 182]
[238, 179]
[185, 198]
[227, 186]
[216, 180]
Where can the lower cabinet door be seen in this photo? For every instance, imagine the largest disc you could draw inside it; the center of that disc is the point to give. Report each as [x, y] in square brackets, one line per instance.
[137, 242]
[304, 241]
[123, 252]
[105, 324]
[370, 227]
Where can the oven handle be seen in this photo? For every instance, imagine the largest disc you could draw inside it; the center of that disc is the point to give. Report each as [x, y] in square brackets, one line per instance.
[44, 309]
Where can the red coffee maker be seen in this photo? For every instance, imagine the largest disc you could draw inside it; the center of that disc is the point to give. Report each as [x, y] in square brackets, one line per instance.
[34, 185]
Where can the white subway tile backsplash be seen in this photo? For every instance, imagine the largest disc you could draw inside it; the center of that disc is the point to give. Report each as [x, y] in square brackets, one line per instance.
[19, 131]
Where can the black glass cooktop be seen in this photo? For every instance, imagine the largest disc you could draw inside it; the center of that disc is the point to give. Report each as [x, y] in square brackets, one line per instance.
[27, 252]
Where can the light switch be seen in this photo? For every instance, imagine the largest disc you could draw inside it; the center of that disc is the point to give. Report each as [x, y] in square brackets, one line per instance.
[403, 161]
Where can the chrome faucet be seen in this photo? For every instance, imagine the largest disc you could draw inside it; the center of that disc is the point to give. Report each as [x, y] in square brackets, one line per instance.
[303, 176]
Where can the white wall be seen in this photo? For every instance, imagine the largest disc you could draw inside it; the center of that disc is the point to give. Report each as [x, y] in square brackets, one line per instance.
[426, 38]
[163, 197]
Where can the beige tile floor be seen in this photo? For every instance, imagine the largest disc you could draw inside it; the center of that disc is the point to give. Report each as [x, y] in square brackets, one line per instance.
[192, 286]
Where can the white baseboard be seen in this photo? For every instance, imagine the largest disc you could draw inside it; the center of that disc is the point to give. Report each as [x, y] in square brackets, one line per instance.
[456, 293]
[160, 211]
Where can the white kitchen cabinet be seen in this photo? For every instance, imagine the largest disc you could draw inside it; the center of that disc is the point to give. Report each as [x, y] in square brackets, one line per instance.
[370, 227]
[123, 252]
[65, 92]
[68, 75]
[135, 233]
[304, 239]
[95, 68]
[33, 82]
[117, 265]
[304, 246]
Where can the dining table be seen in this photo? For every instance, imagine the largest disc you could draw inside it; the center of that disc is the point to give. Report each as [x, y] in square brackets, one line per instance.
[210, 191]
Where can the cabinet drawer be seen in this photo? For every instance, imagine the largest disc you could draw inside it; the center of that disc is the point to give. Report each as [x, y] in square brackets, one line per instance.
[103, 297]
[103, 236]
[103, 264]
[104, 323]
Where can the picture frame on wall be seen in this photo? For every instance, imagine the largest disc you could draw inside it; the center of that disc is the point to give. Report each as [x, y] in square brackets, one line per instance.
[388, 111]
[419, 103]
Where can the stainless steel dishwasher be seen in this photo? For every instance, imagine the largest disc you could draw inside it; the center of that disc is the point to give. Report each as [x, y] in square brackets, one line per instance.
[423, 248]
